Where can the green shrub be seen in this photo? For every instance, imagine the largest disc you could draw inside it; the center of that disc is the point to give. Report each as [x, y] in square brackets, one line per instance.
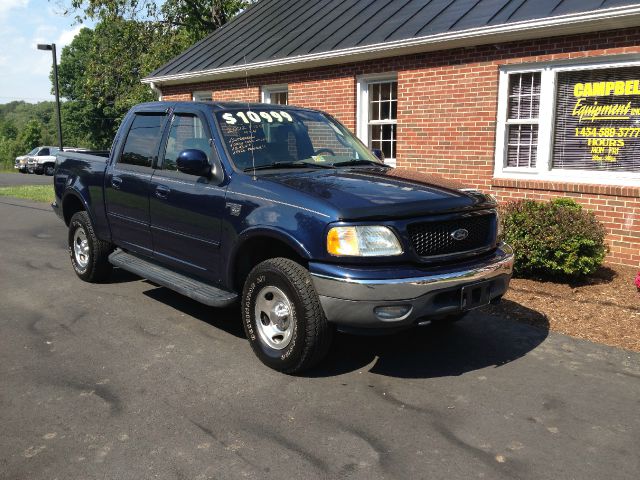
[553, 239]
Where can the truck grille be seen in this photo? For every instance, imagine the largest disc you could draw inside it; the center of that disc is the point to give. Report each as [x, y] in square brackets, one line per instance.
[435, 238]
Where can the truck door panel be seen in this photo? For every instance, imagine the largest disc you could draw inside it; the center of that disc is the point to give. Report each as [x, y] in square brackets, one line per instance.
[127, 183]
[186, 210]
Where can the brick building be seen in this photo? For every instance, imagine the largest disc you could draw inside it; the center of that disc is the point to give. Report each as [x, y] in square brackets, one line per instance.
[521, 98]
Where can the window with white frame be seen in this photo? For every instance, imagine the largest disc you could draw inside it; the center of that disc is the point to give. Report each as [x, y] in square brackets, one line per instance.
[202, 96]
[276, 94]
[571, 122]
[522, 119]
[378, 114]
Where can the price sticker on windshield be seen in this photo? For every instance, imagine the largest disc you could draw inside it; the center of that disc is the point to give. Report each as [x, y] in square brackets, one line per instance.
[257, 117]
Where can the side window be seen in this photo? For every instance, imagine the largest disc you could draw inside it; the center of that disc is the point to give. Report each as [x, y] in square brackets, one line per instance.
[44, 152]
[142, 140]
[187, 132]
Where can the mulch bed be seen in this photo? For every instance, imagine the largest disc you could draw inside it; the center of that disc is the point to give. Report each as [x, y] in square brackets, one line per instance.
[604, 308]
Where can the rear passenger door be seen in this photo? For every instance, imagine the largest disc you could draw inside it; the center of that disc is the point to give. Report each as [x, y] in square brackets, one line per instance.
[127, 182]
[186, 210]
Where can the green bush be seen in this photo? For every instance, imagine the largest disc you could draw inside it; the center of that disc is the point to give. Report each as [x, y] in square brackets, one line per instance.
[553, 239]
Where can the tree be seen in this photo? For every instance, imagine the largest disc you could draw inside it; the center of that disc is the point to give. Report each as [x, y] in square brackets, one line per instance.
[100, 71]
[31, 135]
[8, 130]
[198, 17]
[74, 59]
[201, 17]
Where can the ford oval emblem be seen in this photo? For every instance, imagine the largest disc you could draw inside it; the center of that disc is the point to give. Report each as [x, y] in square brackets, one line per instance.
[460, 234]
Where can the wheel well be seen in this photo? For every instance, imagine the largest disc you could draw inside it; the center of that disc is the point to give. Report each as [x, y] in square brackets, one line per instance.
[256, 250]
[70, 206]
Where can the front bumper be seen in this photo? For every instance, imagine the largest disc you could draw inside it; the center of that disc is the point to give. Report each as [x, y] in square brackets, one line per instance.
[354, 296]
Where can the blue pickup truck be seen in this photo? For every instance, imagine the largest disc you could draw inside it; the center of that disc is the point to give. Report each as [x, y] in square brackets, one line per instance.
[283, 210]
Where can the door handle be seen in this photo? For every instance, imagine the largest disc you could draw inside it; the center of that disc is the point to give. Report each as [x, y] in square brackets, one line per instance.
[116, 182]
[162, 191]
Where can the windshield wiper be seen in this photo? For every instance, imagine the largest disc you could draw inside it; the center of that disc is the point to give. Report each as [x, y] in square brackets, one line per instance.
[276, 165]
[359, 161]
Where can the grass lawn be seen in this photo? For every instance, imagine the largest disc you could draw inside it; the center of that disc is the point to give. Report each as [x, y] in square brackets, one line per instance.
[37, 193]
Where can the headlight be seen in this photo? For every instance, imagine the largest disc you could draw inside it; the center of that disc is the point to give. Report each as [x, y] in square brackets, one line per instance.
[363, 241]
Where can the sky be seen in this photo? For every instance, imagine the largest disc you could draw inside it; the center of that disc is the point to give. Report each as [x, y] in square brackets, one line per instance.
[24, 70]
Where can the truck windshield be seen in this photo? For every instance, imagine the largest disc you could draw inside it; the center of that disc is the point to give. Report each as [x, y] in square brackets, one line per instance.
[264, 138]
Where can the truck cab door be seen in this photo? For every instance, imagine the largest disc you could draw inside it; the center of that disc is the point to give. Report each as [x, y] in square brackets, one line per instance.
[186, 210]
[127, 182]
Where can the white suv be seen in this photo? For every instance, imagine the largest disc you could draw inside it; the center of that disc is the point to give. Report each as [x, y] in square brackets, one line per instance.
[44, 159]
[21, 161]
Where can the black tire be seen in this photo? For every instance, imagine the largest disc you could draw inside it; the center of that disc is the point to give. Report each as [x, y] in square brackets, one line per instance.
[48, 169]
[97, 267]
[38, 171]
[311, 334]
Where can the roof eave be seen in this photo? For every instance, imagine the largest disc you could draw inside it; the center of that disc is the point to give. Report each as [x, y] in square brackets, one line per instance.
[608, 19]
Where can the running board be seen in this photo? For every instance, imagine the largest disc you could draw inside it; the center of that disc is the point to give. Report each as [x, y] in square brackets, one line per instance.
[192, 288]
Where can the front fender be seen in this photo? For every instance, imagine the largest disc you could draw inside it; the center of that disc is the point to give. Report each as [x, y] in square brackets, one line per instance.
[271, 232]
[260, 232]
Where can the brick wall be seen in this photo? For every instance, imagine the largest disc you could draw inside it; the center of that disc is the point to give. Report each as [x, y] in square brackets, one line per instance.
[447, 107]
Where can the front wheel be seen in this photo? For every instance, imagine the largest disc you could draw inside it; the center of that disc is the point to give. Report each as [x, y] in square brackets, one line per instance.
[283, 318]
[89, 255]
[48, 169]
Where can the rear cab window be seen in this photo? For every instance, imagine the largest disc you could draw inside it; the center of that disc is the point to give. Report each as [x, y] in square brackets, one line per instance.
[142, 140]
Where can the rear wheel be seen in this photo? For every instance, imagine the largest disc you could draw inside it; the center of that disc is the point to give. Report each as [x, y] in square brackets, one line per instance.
[89, 255]
[48, 169]
[283, 318]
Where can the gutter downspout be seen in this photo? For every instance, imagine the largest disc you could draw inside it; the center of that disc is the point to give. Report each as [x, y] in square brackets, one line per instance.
[156, 90]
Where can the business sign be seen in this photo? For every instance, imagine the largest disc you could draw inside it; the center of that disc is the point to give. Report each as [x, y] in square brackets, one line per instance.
[597, 125]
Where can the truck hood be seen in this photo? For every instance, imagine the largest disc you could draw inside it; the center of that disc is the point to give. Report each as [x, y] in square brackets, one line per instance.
[380, 193]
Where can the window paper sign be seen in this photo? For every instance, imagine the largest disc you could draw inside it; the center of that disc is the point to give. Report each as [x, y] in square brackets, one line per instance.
[597, 125]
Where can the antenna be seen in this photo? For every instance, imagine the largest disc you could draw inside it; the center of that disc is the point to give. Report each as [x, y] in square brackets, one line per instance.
[246, 79]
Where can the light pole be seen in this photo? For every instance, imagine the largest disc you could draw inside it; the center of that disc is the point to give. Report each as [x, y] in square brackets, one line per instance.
[52, 47]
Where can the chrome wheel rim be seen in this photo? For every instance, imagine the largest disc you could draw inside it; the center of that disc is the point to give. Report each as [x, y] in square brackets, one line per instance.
[274, 317]
[81, 248]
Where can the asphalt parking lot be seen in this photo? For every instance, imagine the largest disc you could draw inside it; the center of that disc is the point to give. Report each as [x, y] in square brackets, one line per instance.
[10, 179]
[130, 381]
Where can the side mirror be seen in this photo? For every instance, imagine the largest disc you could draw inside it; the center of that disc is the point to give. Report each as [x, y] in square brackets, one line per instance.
[378, 153]
[193, 162]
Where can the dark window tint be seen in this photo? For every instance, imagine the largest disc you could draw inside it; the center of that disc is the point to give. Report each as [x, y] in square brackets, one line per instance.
[187, 132]
[43, 152]
[142, 140]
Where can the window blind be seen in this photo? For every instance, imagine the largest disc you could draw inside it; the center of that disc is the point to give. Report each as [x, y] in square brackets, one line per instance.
[522, 119]
[597, 124]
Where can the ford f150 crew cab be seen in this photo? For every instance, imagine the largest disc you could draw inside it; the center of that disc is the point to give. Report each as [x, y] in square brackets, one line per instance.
[284, 210]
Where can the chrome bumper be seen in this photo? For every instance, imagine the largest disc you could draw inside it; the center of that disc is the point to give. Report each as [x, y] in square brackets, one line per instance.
[353, 302]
